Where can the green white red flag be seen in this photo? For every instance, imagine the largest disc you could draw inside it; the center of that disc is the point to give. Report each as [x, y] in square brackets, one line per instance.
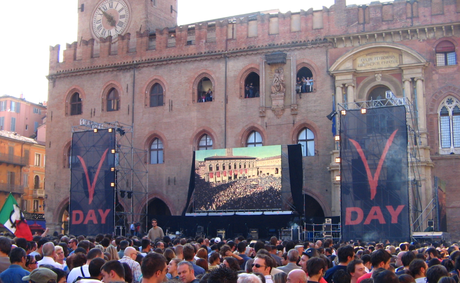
[13, 219]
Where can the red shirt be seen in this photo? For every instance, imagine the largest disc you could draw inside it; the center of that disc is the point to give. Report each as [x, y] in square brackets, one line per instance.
[365, 276]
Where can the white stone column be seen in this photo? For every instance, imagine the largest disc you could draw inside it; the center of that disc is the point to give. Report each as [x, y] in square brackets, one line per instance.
[338, 95]
[407, 89]
[351, 92]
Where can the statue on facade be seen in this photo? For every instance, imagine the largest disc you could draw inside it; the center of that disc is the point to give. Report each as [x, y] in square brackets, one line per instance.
[278, 85]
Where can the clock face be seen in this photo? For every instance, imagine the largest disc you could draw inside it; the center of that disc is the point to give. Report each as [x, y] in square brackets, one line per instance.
[110, 18]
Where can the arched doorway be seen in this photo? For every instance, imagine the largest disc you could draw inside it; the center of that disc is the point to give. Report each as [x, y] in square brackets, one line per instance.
[377, 93]
[312, 208]
[157, 209]
[64, 220]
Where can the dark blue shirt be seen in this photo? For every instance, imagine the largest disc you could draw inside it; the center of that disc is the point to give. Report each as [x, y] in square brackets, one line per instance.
[14, 274]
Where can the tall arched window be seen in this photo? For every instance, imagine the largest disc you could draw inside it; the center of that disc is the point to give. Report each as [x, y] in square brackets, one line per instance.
[251, 85]
[156, 95]
[449, 126]
[304, 80]
[36, 182]
[306, 139]
[445, 54]
[205, 142]
[113, 100]
[205, 90]
[254, 139]
[75, 104]
[156, 152]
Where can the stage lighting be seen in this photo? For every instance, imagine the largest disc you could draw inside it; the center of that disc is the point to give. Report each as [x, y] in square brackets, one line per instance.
[112, 169]
[122, 194]
[110, 130]
[121, 131]
[337, 138]
[112, 184]
[337, 178]
[130, 194]
[337, 160]
[363, 110]
[331, 115]
[343, 112]
[95, 130]
[113, 151]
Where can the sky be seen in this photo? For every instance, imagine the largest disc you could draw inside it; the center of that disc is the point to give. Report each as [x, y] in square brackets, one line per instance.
[30, 27]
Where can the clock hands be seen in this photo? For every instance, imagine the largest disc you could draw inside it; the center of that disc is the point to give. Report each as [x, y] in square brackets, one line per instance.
[108, 17]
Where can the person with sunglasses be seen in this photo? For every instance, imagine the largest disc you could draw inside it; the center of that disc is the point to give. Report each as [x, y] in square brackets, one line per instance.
[263, 264]
[31, 263]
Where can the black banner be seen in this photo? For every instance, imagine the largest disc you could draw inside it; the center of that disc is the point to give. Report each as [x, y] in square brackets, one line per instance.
[91, 194]
[374, 174]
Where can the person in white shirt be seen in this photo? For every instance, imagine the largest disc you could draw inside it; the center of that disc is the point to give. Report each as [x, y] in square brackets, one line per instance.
[49, 255]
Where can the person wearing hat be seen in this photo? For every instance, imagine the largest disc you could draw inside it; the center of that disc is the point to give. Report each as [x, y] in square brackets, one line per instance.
[306, 255]
[41, 275]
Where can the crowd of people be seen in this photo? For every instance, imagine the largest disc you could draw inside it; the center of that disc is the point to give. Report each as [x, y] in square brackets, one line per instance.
[240, 194]
[304, 84]
[105, 258]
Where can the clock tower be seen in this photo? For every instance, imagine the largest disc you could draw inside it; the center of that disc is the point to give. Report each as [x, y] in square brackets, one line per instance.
[103, 18]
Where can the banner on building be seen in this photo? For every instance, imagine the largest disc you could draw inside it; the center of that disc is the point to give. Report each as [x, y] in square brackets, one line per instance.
[374, 174]
[91, 191]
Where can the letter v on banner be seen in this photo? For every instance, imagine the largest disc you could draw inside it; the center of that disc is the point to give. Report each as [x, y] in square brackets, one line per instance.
[374, 174]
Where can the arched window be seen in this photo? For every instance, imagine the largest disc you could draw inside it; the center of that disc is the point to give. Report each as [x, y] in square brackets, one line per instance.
[254, 139]
[36, 182]
[156, 152]
[75, 104]
[205, 90]
[113, 100]
[378, 93]
[156, 95]
[449, 126]
[445, 54]
[251, 85]
[205, 142]
[304, 80]
[307, 140]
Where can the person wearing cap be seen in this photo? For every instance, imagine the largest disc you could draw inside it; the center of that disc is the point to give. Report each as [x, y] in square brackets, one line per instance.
[16, 270]
[306, 255]
[41, 275]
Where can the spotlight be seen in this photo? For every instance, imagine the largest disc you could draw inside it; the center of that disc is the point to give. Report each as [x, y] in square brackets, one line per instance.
[331, 115]
[337, 138]
[113, 151]
[363, 110]
[130, 194]
[112, 169]
[95, 130]
[122, 194]
[110, 130]
[112, 184]
[343, 112]
[121, 131]
[337, 178]
[337, 160]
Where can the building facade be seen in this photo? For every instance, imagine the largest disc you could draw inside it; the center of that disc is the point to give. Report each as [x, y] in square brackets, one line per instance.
[252, 80]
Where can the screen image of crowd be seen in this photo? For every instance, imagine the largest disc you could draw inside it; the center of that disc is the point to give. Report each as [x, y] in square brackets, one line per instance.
[259, 193]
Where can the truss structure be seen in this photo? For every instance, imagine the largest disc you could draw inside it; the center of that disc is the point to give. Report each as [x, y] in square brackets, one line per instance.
[419, 213]
[131, 181]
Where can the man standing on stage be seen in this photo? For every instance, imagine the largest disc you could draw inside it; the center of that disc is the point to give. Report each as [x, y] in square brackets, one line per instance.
[155, 232]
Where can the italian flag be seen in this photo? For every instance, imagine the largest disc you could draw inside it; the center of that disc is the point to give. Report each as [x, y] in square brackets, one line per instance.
[12, 219]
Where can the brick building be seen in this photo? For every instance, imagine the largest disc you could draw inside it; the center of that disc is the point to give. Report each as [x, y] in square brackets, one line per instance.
[231, 82]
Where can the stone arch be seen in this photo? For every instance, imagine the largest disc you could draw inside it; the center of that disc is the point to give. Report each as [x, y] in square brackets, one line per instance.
[148, 86]
[243, 135]
[315, 207]
[68, 96]
[105, 91]
[252, 68]
[440, 95]
[408, 55]
[61, 216]
[306, 64]
[66, 151]
[199, 133]
[202, 75]
[310, 125]
[371, 82]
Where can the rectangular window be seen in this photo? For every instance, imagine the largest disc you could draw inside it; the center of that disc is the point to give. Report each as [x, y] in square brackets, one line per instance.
[12, 106]
[26, 180]
[3, 105]
[2, 123]
[13, 124]
[24, 205]
[10, 180]
[35, 126]
[37, 161]
[445, 131]
[36, 205]
[451, 58]
[456, 130]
